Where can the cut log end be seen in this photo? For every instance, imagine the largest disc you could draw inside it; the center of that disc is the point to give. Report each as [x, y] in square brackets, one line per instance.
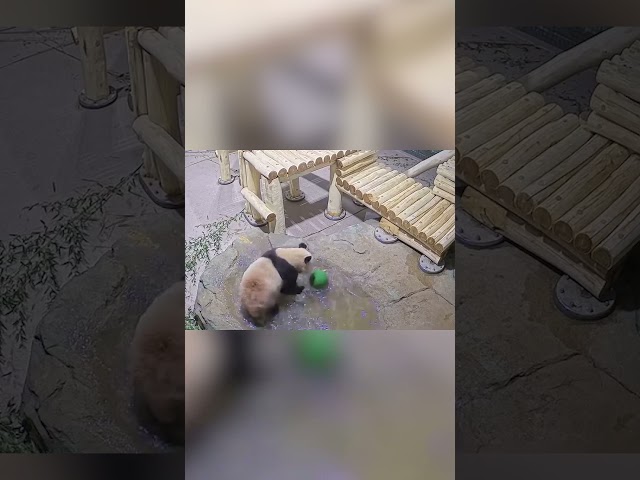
[542, 217]
[524, 203]
[506, 195]
[564, 231]
[583, 243]
[602, 256]
[490, 180]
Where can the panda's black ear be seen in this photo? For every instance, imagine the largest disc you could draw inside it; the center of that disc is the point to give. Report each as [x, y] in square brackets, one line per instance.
[307, 259]
[302, 245]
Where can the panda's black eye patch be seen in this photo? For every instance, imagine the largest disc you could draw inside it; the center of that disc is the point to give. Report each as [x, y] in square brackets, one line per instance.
[307, 259]
[302, 245]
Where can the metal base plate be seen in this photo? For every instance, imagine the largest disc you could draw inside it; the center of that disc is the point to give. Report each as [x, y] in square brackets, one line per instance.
[336, 218]
[429, 266]
[153, 189]
[226, 182]
[86, 102]
[472, 233]
[383, 237]
[291, 198]
[358, 203]
[251, 221]
[577, 303]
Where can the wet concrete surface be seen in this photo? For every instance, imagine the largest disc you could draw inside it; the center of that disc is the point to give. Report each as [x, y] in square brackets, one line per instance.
[371, 286]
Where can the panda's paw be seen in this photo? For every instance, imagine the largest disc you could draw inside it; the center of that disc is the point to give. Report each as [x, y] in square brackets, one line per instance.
[299, 289]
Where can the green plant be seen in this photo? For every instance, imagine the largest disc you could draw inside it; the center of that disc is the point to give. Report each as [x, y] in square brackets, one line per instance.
[200, 248]
[37, 260]
[190, 321]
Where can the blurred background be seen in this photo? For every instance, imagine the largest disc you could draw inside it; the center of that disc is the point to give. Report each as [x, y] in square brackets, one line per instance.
[320, 405]
[284, 73]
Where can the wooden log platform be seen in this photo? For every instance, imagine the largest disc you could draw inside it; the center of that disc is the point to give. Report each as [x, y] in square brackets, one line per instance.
[421, 217]
[564, 188]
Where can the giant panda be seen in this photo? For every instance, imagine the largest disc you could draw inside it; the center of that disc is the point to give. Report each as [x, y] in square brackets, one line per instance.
[157, 366]
[274, 273]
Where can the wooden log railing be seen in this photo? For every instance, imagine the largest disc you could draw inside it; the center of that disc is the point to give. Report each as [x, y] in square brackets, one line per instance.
[156, 66]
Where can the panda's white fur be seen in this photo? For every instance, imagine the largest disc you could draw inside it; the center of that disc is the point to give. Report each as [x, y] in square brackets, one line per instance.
[157, 365]
[274, 273]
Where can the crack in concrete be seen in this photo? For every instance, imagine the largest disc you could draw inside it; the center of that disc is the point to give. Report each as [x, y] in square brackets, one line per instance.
[47, 352]
[404, 297]
[440, 295]
[495, 386]
[610, 375]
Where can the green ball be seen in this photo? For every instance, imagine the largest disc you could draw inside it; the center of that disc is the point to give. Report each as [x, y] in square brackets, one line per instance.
[319, 278]
[317, 350]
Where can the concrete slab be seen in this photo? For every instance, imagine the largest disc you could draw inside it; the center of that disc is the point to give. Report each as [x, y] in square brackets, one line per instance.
[372, 286]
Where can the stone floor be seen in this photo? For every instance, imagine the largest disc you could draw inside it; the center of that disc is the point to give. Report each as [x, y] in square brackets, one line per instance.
[528, 378]
[54, 151]
[208, 202]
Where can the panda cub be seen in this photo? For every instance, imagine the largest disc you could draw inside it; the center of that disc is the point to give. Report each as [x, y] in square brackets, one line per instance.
[275, 273]
[157, 366]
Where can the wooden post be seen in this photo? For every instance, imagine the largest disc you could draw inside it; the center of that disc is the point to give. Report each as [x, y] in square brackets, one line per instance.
[275, 203]
[334, 209]
[139, 92]
[162, 103]
[252, 178]
[97, 93]
[294, 194]
[225, 167]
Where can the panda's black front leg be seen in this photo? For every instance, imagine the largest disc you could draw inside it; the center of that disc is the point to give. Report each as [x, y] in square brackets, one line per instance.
[291, 287]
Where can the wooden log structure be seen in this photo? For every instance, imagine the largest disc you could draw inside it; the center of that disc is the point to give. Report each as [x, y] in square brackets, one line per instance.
[565, 188]
[156, 66]
[401, 200]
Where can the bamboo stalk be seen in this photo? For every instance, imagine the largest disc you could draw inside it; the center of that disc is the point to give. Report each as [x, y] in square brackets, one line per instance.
[579, 185]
